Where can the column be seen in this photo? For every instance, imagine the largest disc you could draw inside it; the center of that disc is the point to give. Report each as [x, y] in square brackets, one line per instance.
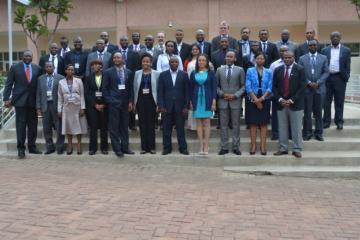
[214, 18]
[312, 14]
[120, 19]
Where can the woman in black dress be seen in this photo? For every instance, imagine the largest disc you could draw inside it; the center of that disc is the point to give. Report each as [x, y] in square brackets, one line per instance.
[145, 100]
[257, 105]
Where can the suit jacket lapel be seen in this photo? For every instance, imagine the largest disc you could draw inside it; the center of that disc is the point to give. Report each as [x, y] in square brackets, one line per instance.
[138, 79]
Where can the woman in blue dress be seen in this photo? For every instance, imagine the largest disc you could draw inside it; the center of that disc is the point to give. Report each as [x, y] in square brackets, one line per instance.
[203, 100]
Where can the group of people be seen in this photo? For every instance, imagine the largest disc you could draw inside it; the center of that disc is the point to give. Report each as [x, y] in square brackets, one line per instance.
[74, 91]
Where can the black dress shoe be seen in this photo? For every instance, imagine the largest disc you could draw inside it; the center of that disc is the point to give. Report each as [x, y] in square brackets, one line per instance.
[143, 152]
[152, 151]
[237, 152]
[307, 138]
[34, 151]
[119, 154]
[319, 138]
[49, 151]
[223, 152]
[297, 154]
[60, 152]
[21, 154]
[340, 126]
[166, 152]
[184, 152]
[92, 152]
[326, 126]
[105, 152]
[128, 152]
[279, 153]
[274, 138]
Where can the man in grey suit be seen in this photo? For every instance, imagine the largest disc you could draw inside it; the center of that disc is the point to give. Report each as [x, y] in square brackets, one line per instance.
[230, 80]
[46, 105]
[100, 54]
[316, 72]
[285, 36]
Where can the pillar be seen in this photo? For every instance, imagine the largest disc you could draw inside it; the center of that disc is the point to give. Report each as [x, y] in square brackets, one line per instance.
[120, 18]
[214, 18]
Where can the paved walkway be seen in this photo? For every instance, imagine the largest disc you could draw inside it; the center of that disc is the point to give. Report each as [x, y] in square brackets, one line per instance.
[100, 199]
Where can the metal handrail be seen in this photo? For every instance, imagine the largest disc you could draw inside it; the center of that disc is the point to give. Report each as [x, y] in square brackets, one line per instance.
[6, 114]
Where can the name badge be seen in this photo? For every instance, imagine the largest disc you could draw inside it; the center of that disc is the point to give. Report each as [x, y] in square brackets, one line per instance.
[121, 86]
[98, 94]
[48, 93]
[146, 91]
[313, 71]
[77, 65]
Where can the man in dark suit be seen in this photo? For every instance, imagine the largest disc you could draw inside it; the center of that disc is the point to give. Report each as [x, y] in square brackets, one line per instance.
[269, 48]
[285, 41]
[21, 85]
[289, 84]
[181, 48]
[339, 57]
[55, 58]
[118, 94]
[77, 57]
[108, 47]
[46, 105]
[96, 109]
[218, 57]
[136, 46]
[316, 72]
[224, 32]
[303, 48]
[64, 43]
[205, 47]
[173, 100]
[244, 45]
[133, 63]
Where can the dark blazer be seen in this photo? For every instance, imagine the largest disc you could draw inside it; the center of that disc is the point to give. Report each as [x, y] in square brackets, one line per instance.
[345, 60]
[215, 43]
[218, 58]
[90, 88]
[71, 57]
[206, 49]
[132, 62]
[110, 48]
[210, 87]
[271, 55]
[303, 49]
[23, 92]
[173, 97]
[131, 47]
[60, 68]
[240, 43]
[111, 93]
[185, 51]
[297, 85]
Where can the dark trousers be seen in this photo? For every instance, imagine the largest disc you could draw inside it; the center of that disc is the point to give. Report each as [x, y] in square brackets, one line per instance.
[335, 88]
[274, 118]
[118, 128]
[147, 113]
[51, 120]
[26, 123]
[98, 120]
[169, 119]
[313, 104]
[132, 120]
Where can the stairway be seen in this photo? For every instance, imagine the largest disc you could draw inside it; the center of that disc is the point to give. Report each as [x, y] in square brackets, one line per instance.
[337, 156]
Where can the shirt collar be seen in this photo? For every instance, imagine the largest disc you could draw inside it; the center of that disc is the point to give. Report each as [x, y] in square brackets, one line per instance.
[337, 47]
[51, 75]
[174, 72]
[231, 66]
[313, 54]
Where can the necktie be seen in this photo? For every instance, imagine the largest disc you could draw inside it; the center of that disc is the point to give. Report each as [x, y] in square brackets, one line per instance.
[53, 59]
[124, 55]
[27, 73]
[313, 61]
[228, 76]
[264, 47]
[120, 76]
[201, 45]
[286, 82]
[100, 56]
[50, 82]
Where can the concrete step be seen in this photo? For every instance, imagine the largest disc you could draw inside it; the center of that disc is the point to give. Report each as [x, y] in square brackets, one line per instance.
[348, 131]
[298, 171]
[330, 144]
[310, 158]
